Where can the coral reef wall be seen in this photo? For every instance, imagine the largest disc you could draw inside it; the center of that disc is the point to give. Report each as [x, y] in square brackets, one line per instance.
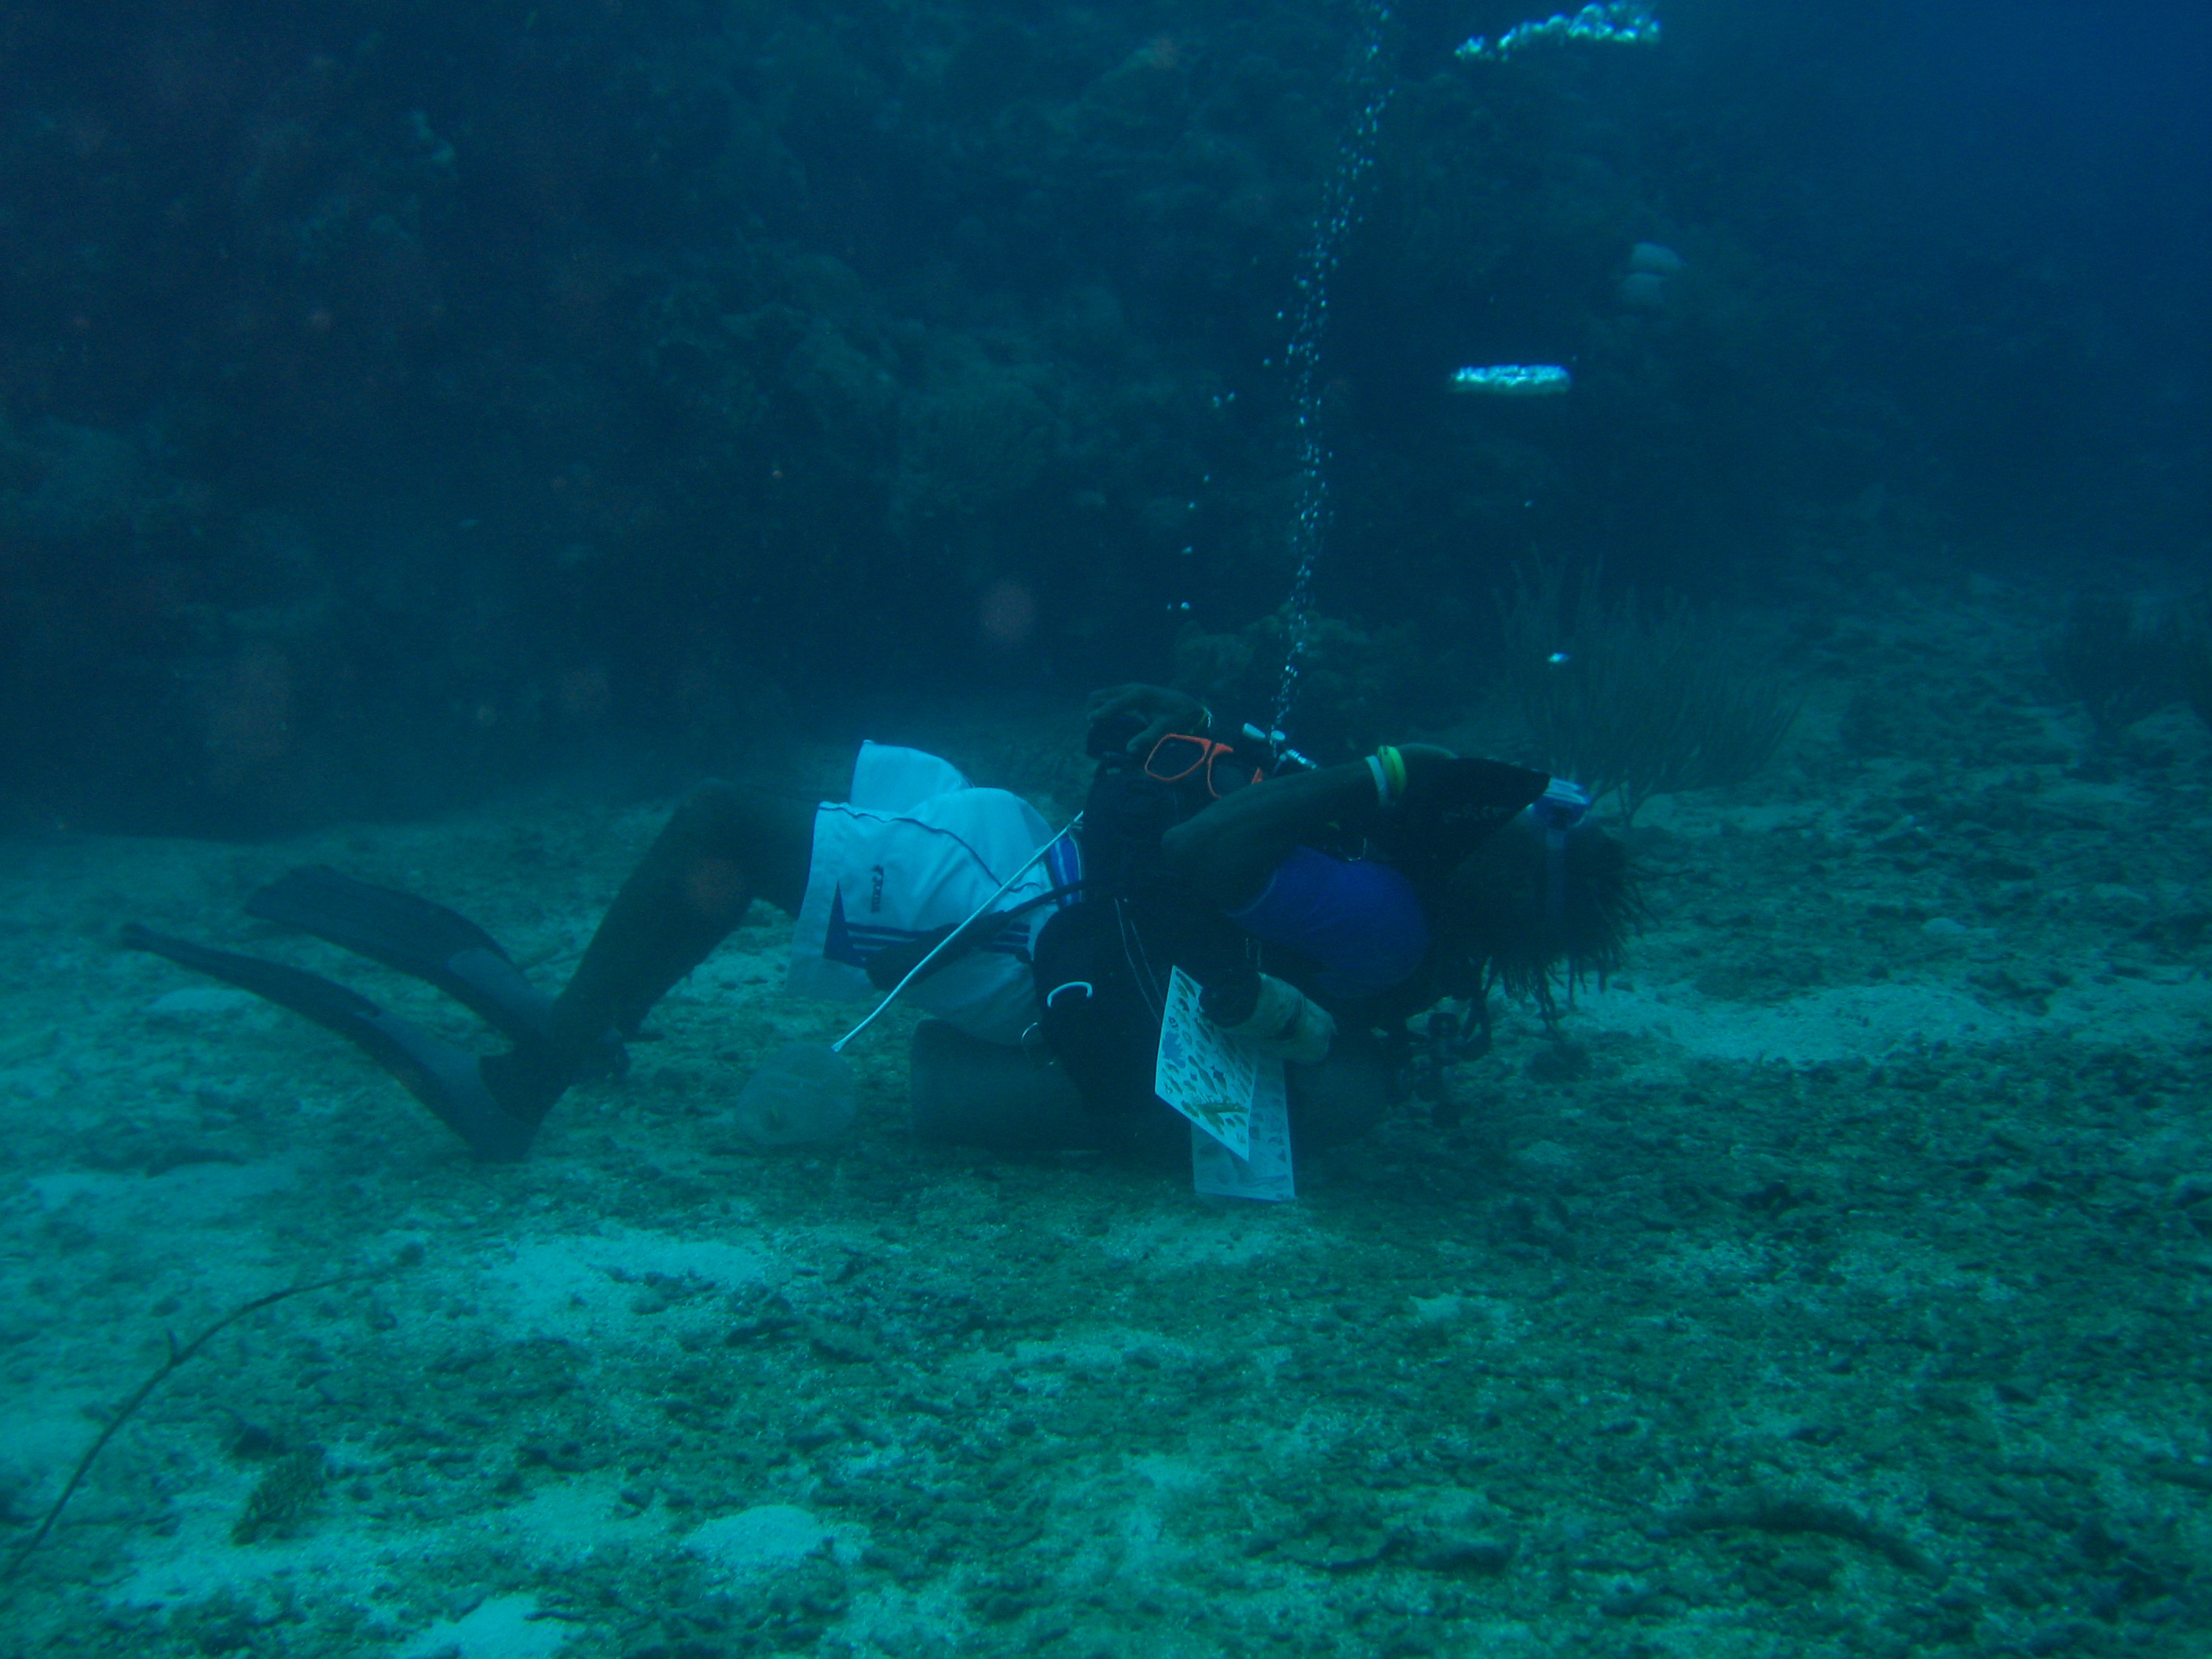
[395, 396]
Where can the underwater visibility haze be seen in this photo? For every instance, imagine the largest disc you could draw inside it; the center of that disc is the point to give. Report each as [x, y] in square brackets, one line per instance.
[938, 828]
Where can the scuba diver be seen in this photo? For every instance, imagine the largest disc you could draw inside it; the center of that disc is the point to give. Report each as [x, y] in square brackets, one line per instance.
[1318, 908]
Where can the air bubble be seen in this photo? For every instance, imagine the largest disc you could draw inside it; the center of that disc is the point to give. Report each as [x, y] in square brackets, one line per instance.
[1340, 212]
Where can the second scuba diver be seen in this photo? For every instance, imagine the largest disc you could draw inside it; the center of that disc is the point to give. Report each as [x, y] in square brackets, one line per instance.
[1318, 908]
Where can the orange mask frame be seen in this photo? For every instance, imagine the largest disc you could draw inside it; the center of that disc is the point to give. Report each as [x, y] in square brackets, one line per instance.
[1204, 752]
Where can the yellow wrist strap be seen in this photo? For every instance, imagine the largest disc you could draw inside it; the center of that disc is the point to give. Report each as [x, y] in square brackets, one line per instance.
[1394, 771]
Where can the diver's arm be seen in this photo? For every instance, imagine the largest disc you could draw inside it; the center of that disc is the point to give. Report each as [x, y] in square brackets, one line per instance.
[1232, 847]
[1161, 709]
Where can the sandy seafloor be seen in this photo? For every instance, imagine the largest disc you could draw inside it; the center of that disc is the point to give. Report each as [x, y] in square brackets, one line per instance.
[1838, 1288]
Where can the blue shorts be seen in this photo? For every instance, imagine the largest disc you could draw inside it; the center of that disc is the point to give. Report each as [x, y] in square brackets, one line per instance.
[1360, 923]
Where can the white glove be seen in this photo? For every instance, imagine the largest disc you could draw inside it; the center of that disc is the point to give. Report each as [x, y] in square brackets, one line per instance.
[1287, 1024]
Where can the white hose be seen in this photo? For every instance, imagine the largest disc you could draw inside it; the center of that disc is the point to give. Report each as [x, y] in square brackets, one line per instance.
[838, 1046]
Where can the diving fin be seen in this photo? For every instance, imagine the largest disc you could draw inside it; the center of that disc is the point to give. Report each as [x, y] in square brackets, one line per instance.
[445, 1079]
[414, 936]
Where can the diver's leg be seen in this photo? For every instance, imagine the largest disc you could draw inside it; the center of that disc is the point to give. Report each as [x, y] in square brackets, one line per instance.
[726, 847]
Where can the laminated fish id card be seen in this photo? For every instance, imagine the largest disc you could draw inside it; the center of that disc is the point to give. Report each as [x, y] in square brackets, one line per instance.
[1206, 1075]
[1266, 1173]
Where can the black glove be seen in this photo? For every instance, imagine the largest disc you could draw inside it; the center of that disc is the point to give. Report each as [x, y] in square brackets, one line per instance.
[1449, 807]
[1132, 718]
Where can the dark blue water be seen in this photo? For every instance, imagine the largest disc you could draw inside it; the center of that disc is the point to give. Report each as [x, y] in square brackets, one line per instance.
[400, 399]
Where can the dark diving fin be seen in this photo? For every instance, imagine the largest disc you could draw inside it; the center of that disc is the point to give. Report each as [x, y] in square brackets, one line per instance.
[445, 1079]
[412, 936]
